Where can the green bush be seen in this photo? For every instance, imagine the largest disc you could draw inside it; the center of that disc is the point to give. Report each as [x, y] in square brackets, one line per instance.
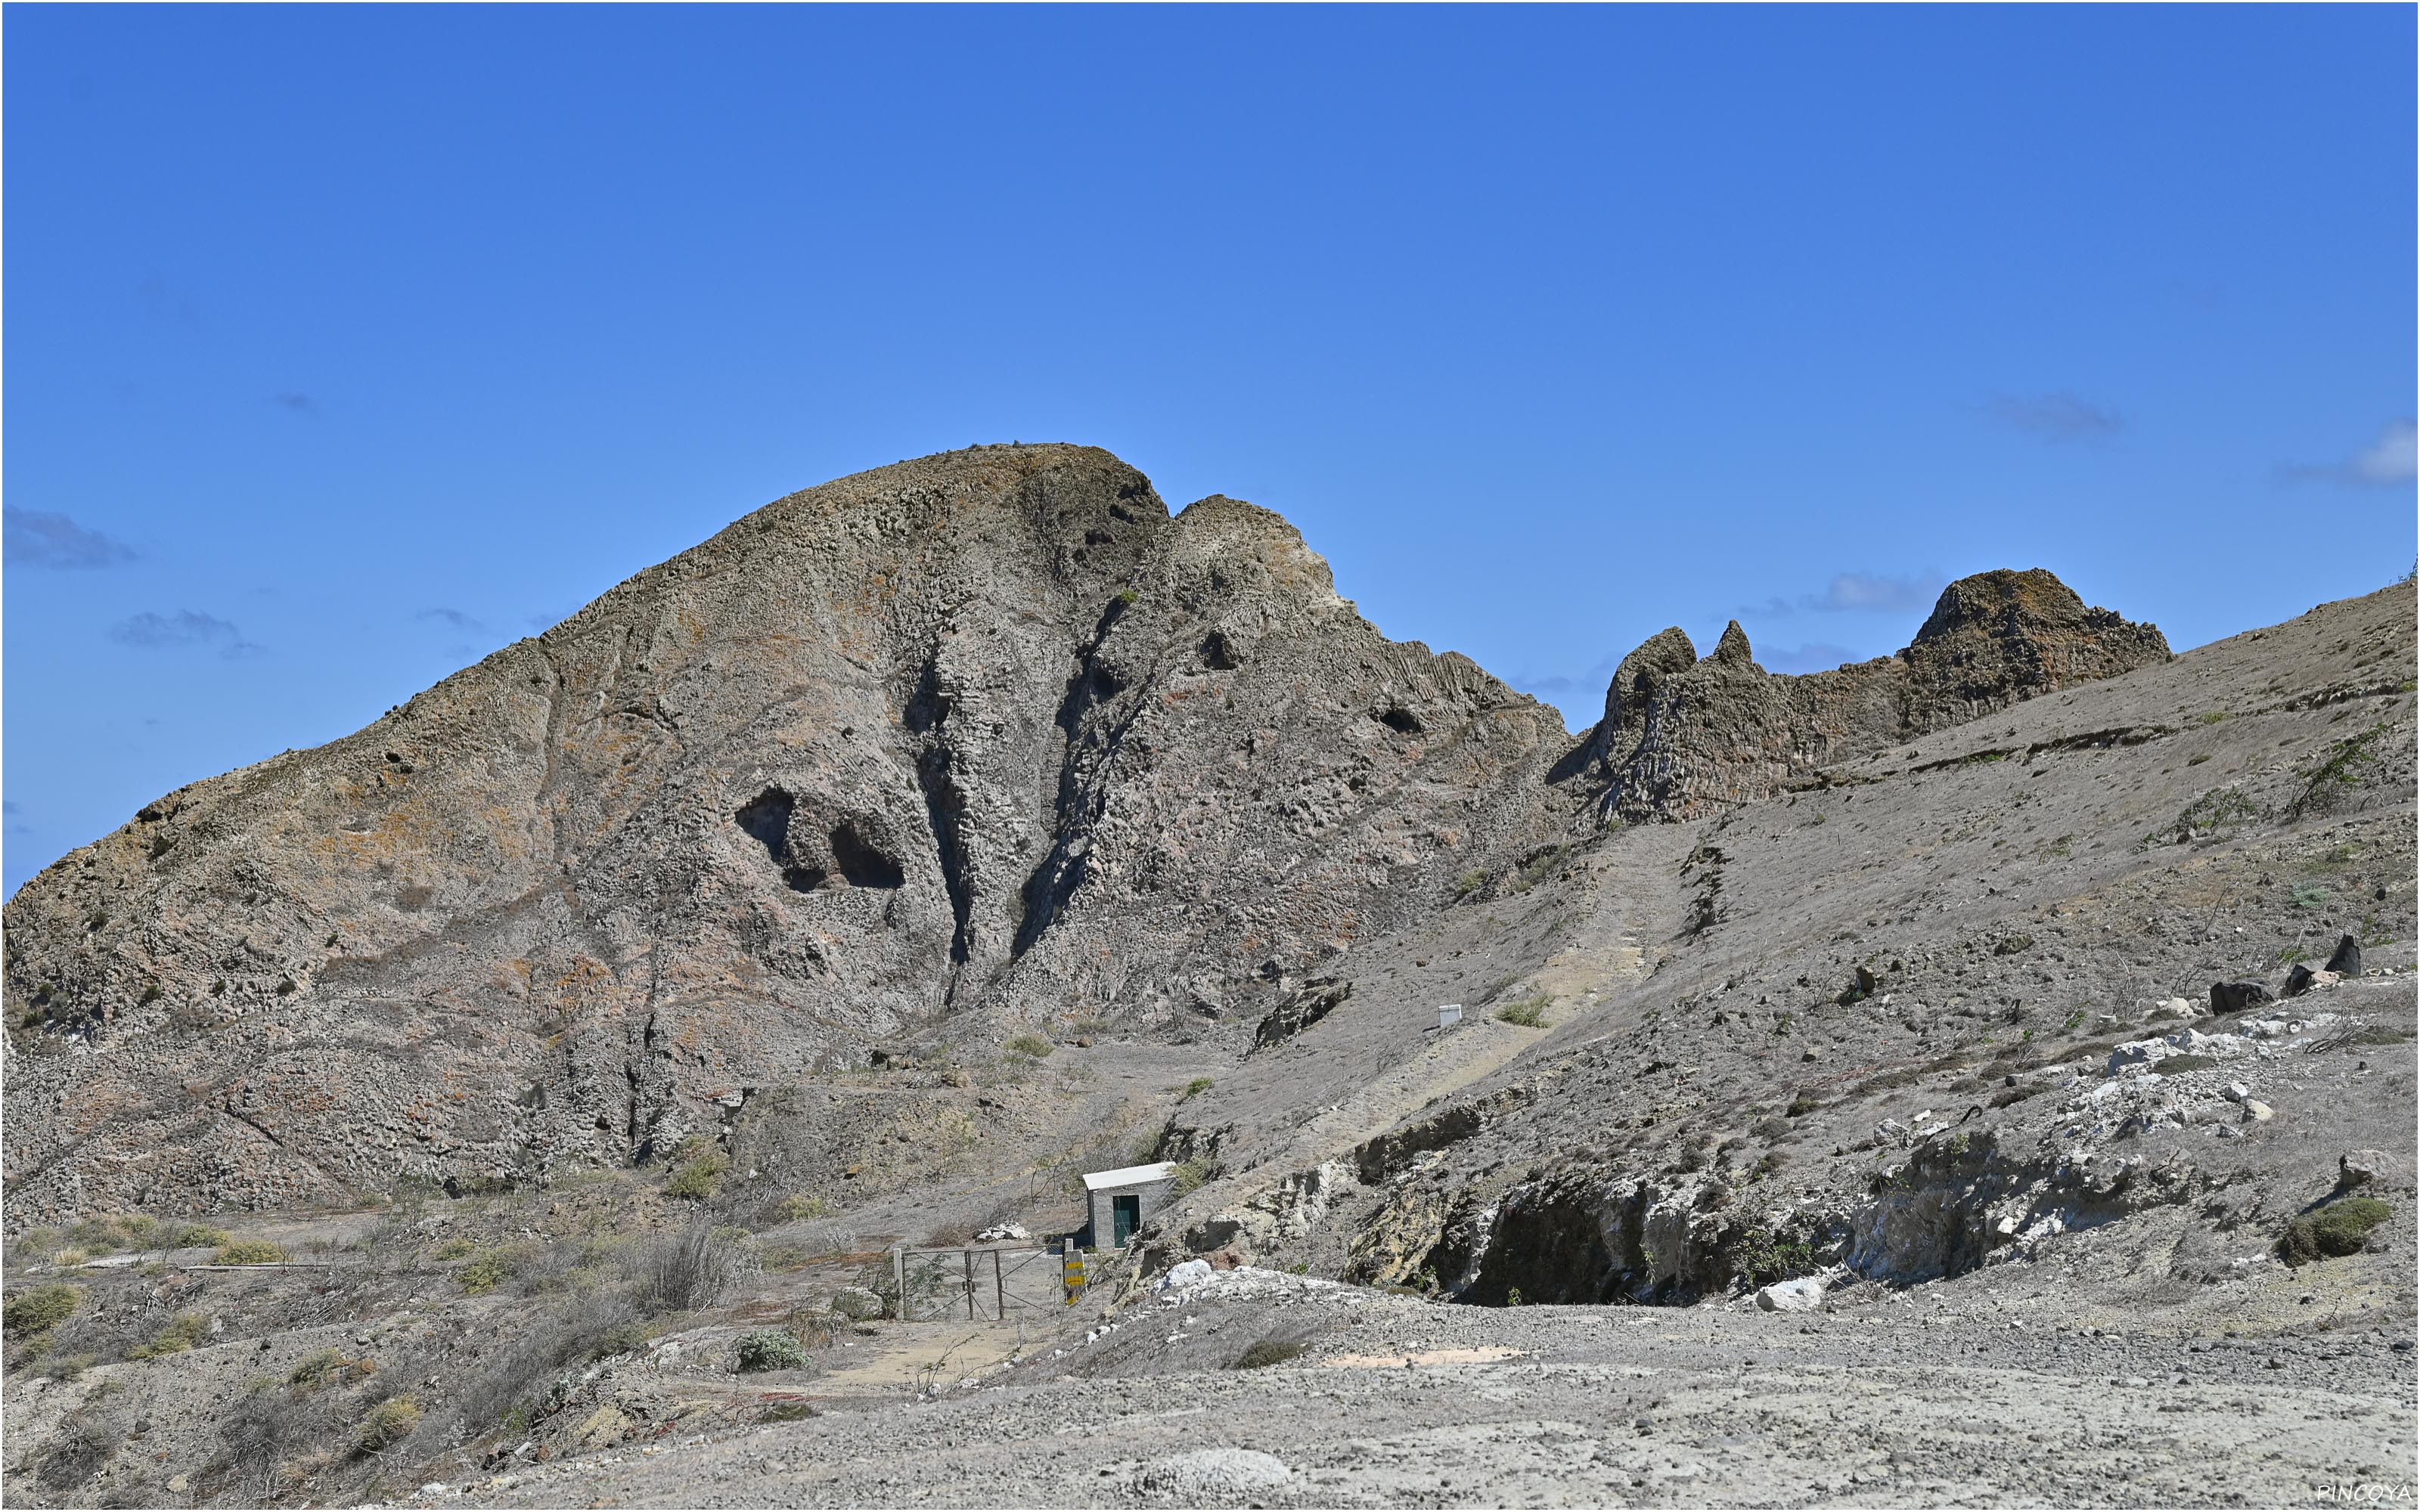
[1530, 1013]
[697, 1178]
[1030, 1044]
[118, 1231]
[770, 1348]
[2339, 775]
[2215, 809]
[37, 1243]
[1189, 1175]
[1269, 1352]
[183, 1331]
[489, 1269]
[1198, 1085]
[388, 1424]
[2337, 1229]
[623, 1338]
[1760, 1257]
[1468, 883]
[44, 1307]
[247, 1252]
[1537, 869]
[192, 1236]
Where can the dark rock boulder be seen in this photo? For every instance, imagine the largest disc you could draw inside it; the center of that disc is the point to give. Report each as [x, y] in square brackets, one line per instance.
[2346, 962]
[2235, 996]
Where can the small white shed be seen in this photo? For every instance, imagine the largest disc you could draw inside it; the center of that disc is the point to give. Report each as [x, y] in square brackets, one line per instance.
[1118, 1201]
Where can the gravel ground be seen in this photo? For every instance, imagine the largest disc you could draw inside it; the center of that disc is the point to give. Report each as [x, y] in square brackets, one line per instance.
[1888, 1400]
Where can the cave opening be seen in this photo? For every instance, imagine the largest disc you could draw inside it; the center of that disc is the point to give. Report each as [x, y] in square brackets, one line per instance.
[862, 864]
[766, 819]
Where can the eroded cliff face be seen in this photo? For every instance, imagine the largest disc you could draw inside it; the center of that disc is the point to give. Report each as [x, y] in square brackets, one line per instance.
[984, 740]
[1682, 737]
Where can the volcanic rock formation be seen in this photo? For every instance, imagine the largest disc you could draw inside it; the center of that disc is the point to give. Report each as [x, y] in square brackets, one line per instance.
[1682, 736]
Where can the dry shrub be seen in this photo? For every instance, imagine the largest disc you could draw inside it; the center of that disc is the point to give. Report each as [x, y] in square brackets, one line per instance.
[83, 1442]
[553, 1340]
[264, 1430]
[683, 1273]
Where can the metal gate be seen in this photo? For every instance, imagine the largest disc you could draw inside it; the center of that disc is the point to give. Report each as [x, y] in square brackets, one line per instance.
[978, 1285]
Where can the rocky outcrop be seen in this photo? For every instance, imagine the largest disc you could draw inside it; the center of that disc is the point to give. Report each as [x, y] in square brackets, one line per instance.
[1314, 1001]
[1682, 736]
[977, 741]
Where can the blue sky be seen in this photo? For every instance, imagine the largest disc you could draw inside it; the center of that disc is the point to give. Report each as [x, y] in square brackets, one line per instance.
[344, 345]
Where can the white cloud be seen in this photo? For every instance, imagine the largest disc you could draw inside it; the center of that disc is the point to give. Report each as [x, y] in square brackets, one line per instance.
[2392, 458]
[2058, 417]
[2387, 462]
[1859, 593]
[33, 538]
[186, 628]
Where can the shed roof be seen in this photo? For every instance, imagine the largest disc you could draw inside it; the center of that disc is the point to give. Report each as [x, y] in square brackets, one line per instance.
[1130, 1176]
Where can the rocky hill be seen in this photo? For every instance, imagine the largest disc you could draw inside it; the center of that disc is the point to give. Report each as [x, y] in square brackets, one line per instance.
[932, 836]
[984, 743]
[980, 742]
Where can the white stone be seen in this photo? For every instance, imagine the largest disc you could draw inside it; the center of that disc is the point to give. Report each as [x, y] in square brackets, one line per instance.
[1202, 1476]
[2139, 1053]
[1802, 1295]
[1185, 1275]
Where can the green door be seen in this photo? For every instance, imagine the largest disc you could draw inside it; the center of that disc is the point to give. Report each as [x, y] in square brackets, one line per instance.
[1125, 1213]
